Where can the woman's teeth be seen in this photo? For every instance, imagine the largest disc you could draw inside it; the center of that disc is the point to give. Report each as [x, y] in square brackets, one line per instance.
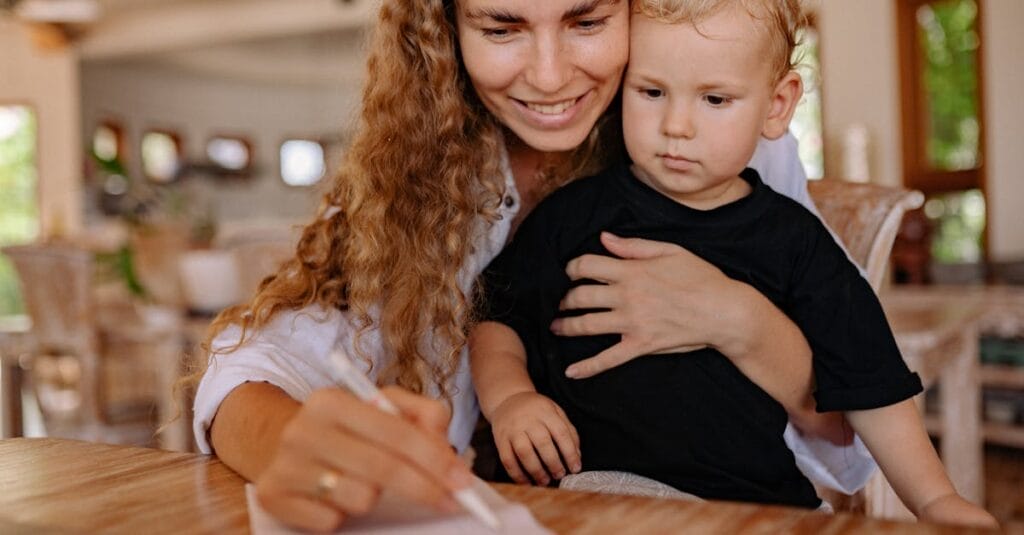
[551, 109]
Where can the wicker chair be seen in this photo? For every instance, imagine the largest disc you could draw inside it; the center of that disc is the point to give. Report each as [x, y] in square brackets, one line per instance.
[98, 373]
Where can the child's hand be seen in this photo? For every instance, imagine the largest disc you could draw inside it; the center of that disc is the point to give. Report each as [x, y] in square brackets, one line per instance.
[528, 424]
[953, 509]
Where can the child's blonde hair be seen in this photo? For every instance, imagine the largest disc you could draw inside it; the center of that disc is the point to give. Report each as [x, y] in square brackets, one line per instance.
[780, 20]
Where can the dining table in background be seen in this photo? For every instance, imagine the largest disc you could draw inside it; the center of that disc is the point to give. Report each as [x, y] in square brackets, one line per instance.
[54, 485]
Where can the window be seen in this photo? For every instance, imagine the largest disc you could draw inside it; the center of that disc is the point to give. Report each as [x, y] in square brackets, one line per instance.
[108, 142]
[161, 156]
[232, 154]
[302, 162]
[19, 211]
[807, 122]
[943, 142]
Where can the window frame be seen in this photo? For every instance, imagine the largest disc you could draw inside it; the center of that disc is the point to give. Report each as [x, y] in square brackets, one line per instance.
[917, 173]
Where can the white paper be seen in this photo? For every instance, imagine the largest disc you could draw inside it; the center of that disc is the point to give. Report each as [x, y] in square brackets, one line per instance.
[396, 516]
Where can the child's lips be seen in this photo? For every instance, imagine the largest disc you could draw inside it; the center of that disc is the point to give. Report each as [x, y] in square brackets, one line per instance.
[677, 163]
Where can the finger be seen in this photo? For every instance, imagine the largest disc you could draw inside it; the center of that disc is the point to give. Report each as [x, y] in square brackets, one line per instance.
[429, 414]
[589, 324]
[527, 456]
[400, 439]
[637, 248]
[590, 296]
[596, 267]
[510, 462]
[605, 360]
[301, 512]
[565, 437]
[349, 494]
[380, 468]
[548, 452]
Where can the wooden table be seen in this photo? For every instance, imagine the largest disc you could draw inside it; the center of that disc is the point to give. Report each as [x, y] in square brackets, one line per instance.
[52, 485]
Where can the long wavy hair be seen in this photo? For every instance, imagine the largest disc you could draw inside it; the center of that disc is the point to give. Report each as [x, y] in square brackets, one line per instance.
[398, 219]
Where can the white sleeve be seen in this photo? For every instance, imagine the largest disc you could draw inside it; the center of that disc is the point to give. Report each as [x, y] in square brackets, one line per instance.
[843, 468]
[290, 352]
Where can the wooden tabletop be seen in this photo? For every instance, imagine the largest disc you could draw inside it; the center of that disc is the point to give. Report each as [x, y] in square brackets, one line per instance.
[55, 486]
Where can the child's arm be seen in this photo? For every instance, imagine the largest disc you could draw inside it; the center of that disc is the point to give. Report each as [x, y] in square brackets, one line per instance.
[896, 437]
[524, 423]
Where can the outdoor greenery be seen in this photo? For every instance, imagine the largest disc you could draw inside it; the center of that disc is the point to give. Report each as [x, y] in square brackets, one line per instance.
[947, 32]
[949, 40]
[19, 211]
[807, 125]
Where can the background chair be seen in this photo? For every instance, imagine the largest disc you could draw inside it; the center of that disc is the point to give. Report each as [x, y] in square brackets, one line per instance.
[99, 372]
[865, 218]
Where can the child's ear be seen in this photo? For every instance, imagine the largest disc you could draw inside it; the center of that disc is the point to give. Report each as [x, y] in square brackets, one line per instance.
[785, 97]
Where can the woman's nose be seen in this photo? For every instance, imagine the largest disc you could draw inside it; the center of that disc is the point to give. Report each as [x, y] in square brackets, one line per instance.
[550, 68]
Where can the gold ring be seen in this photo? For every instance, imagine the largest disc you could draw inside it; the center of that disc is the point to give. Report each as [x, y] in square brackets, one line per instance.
[326, 484]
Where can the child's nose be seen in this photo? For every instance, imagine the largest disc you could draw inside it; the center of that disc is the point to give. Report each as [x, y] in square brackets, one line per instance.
[678, 122]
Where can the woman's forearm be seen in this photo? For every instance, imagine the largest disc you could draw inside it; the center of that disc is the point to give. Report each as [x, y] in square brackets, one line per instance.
[248, 425]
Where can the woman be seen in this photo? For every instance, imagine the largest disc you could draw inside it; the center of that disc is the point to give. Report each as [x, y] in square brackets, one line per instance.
[472, 112]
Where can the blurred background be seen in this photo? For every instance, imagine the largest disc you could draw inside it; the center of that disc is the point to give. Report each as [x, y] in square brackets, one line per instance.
[180, 142]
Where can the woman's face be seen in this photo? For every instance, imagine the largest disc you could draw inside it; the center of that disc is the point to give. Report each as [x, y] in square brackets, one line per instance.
[547, 69]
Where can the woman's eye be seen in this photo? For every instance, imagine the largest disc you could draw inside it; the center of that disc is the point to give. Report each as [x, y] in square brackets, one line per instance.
[592, 24]
[651, 92]
[716, 100]
[497, 33]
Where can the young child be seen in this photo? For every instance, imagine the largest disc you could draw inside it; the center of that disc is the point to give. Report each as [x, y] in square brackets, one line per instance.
[706, 78]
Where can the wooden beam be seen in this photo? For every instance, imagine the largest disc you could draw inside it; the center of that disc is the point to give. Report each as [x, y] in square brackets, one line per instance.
[184, 25]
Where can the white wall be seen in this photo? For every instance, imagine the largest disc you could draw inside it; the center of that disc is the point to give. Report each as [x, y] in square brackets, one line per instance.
[48, 82]
[860, 69]
[860, 83]
[141, 96]
[1004, 126]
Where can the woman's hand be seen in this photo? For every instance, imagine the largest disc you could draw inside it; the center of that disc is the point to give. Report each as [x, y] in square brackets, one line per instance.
[661, 299]
[337, 454]
[533, 431]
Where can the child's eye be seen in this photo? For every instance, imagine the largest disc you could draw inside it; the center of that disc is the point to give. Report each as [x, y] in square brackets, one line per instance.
[717, 100]
[651, 92]
[592, 24]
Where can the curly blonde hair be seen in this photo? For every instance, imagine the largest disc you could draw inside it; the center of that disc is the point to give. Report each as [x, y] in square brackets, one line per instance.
[780, 20]
[397, 222]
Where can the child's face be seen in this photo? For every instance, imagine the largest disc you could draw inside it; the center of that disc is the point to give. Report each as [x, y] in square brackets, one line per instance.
[695, 105]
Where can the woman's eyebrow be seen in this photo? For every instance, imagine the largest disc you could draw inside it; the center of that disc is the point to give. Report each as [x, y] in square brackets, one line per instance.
[586, 8]
[507, 17]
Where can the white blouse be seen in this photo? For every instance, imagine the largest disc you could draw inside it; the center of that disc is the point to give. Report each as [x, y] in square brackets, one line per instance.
[292, 351]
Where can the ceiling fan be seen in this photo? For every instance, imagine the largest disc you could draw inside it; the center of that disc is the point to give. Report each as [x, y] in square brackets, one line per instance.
[54, 23]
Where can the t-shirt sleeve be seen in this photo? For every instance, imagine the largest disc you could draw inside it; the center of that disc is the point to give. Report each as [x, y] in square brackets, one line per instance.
[511, 286]
[857, 365]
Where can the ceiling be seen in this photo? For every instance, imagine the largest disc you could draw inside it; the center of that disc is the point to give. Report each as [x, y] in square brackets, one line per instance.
[305, 42]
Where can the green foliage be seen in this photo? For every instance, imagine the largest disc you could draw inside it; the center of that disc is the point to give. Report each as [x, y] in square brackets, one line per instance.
[19, 212]
[947, 32]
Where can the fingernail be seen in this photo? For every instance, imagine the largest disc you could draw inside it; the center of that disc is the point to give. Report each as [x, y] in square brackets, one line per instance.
[559, 475]
[572, 372]
[576, 468]
[556, 326]
[459, 477]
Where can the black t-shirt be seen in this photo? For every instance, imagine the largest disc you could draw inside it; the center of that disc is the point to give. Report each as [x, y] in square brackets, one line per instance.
[693, 420]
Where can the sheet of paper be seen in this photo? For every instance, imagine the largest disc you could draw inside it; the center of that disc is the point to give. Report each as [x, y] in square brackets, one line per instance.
[395, 516]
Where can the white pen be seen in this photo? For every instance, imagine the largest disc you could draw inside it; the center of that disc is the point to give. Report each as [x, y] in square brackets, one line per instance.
[365, 390]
